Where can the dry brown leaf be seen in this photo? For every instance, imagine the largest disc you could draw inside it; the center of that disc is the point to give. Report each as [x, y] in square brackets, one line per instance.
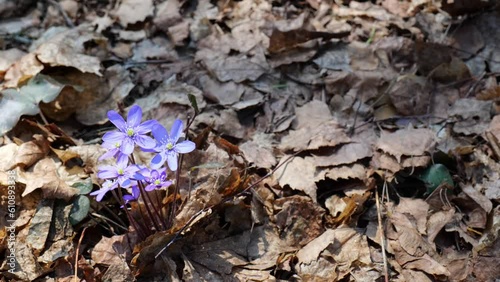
[45, 177]
[236, 68]
[354, 171]
[282, 41]
[415, 102]
[475, 195]
[9, 57]
[134, 11]
[40, 226]
[299, 219]
[110, 251]
[223, 93]
[179, 32]
[7, 153]
[259, 150]
[416, 210]
[22, 70]
[32, 151]
[67, 49]
[494, 126]
[299, 174]
[385, 162]
[344, 245]
[437, 221]
[224, 122]
[167, 14]
[170, 91]
[327, 134]
[473, 116]
[346, 154]
[312, 114]
[407, 142]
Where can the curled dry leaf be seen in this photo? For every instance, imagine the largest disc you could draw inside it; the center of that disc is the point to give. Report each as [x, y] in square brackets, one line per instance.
[8, 57]
[23, 69]
[45, 177]
[32, 151]
[479, 198]
[67, 49]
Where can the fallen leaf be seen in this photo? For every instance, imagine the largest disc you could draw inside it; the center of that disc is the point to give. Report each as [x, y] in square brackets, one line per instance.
[223, 93]
[30, 152]
[66, 48]
[327, 134]
[236, 68]
[407, 142]
[259, 150]
[354, 171]
[25, 101]
[300, 174]
[416, 103]
[112, 251]
[346, 154]
[437, 221]
[45, 177]
[298, 219]
[134, 11]
[9, 57]
[473, 116]
[475, 195]
[40, 226]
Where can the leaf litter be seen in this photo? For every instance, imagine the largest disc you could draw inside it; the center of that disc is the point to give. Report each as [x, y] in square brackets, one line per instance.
[339, 106]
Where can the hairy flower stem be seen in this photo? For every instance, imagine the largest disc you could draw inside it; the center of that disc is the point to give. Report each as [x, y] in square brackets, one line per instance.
[173, 207]
[154, 217]
[133, 222]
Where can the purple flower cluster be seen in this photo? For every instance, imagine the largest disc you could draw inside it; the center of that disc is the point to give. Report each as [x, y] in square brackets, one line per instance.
[120, 145]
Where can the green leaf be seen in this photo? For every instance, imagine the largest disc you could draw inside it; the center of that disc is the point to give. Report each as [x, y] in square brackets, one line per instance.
[83, 187]
[15, 103]
[79, 210]
[434, 176]
[194, 104]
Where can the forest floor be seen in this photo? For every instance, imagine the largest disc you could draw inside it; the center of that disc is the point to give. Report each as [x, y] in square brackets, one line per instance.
[335, 140]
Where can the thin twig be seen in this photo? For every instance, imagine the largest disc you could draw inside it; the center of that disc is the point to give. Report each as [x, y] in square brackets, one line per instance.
[78, 253]
[380, 229]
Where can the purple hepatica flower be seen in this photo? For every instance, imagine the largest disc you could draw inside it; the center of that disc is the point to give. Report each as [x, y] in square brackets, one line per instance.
[135, 195]
[167, 148]
[113, 151]
[156, 179]
[106, 187]
[130, 132]
[121, 171]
